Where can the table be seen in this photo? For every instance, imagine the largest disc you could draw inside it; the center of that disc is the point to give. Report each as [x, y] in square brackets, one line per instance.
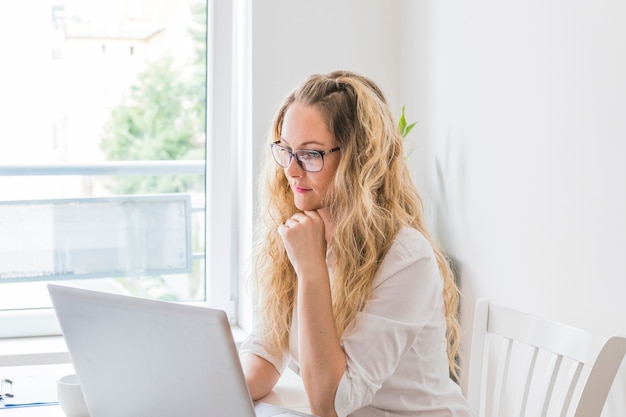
[288, 392]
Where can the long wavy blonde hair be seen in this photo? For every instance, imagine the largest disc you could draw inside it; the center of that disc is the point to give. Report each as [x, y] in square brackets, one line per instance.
[372, 197]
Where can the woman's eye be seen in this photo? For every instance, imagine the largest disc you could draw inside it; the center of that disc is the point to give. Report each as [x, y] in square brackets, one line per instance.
[309, 156]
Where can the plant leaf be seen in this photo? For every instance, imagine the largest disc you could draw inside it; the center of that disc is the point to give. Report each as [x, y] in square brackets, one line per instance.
[408, 129]
[402, 125]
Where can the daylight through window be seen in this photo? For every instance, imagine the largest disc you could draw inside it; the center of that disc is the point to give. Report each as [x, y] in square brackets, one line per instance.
[103, 177]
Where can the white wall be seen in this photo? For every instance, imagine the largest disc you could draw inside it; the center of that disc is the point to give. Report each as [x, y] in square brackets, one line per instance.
[524, 106]
[294, 39]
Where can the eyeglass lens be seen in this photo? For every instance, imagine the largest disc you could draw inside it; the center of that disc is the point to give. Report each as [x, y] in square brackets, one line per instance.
[311, 161]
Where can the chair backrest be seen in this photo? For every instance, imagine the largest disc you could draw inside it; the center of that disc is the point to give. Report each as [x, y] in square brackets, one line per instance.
[522, 365]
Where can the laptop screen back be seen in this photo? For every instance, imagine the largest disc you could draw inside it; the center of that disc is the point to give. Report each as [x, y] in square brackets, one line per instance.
[138, 357]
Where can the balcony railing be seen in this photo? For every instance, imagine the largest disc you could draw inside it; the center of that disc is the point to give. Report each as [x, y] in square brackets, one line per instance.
[114, 169]
[120, 168]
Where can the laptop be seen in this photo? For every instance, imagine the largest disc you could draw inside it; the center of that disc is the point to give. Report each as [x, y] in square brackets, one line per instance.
[136, 357]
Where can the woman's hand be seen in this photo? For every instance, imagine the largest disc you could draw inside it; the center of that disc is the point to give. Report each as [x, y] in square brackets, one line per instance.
[303, 235]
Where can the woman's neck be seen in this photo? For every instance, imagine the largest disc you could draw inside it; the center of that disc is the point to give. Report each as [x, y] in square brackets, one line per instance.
[329, 224]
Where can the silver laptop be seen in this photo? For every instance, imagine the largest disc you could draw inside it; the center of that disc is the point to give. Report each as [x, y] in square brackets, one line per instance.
[136, 357]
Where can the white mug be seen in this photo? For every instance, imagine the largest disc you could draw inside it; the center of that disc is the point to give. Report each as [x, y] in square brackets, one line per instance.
[71, 397]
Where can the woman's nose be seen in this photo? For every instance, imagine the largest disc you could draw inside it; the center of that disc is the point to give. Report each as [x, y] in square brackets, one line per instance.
[294, 169]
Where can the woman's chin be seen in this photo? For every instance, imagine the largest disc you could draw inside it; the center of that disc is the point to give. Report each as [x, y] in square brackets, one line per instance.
[306, 206]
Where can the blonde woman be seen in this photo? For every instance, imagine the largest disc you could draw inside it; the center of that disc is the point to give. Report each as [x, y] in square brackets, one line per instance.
[349, 285]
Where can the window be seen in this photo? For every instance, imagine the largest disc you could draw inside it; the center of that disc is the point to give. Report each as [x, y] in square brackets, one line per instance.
[111, 105]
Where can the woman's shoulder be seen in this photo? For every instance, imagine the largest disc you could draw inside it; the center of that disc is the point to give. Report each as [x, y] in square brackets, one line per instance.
[410, 242]
[409, 246]
[410, 261]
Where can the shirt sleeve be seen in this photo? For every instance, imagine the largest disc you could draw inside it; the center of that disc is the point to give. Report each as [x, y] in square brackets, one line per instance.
[253, 344]
[406, 290]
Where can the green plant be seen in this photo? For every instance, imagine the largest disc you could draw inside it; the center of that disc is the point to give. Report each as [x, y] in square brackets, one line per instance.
[404, 128]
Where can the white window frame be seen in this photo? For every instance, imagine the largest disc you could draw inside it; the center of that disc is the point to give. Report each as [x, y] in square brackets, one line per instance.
[229, 175]
[228, 172]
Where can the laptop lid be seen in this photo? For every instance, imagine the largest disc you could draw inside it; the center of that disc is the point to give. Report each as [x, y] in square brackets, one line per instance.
[139, 357]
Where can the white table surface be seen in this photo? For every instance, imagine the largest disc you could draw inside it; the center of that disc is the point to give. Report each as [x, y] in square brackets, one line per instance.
[288, 393]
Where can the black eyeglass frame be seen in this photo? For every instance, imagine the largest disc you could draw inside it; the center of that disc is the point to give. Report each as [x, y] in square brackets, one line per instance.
[294, 154]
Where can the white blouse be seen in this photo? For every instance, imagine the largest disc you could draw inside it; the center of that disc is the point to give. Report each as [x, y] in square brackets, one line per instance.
[395, 348]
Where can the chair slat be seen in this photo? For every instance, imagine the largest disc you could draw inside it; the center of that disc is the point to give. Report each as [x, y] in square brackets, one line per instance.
[572, 387]
[556, 366]
[529, 379]
[502, 375]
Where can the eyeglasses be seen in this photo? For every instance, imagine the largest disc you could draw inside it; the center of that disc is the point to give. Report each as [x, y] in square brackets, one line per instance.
[308, 160]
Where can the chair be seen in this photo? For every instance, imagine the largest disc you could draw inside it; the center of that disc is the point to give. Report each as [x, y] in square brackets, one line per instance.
[522, 365]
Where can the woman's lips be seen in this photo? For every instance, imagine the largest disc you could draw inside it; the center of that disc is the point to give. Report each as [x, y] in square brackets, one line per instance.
[299, 189]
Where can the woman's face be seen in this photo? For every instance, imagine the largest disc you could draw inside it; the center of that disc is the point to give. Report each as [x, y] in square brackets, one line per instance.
[304, 127]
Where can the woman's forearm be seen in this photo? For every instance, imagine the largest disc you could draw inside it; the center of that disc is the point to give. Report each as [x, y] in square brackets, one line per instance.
[322, 360]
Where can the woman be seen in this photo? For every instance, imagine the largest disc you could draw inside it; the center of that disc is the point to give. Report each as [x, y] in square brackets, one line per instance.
[349, 285]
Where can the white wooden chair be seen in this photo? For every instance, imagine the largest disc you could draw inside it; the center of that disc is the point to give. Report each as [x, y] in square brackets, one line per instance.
[522, 365]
